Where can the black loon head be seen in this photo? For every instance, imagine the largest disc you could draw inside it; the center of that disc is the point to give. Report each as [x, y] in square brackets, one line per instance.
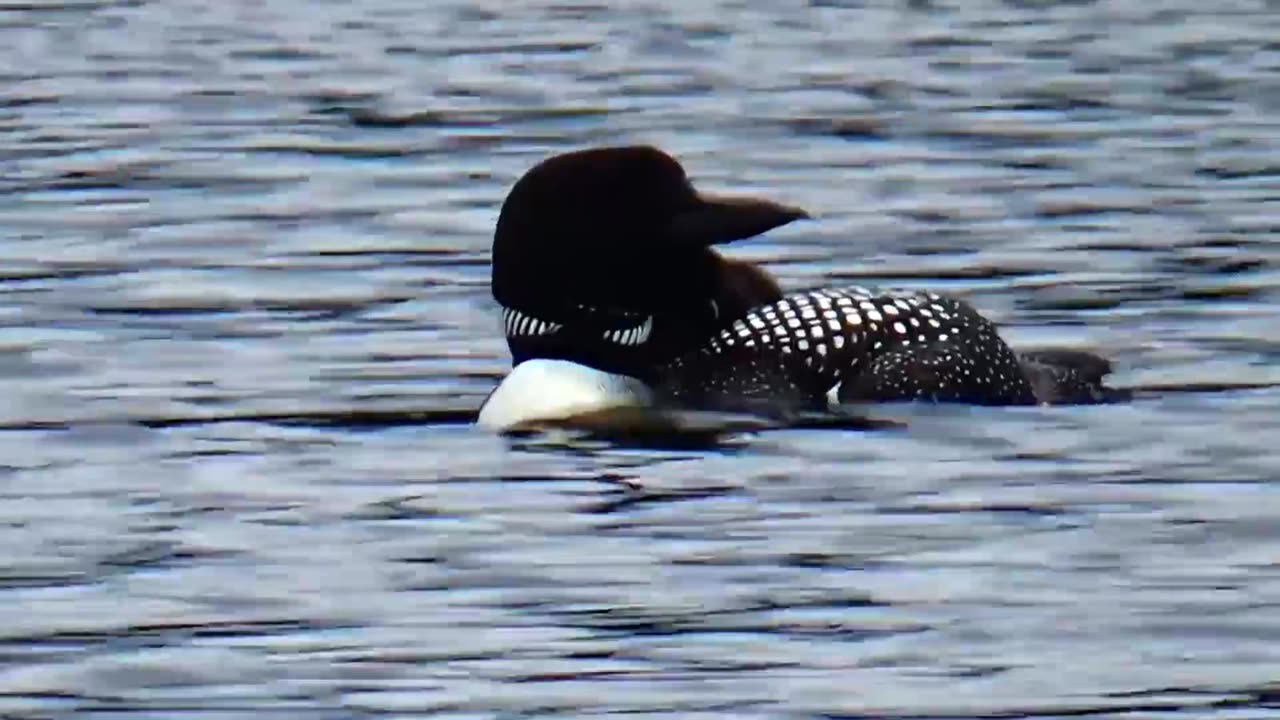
[604, 257]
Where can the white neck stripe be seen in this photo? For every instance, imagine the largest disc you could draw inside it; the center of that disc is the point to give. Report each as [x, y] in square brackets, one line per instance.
[518, 324]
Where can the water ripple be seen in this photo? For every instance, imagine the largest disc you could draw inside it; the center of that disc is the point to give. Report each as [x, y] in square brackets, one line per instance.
[245, 323]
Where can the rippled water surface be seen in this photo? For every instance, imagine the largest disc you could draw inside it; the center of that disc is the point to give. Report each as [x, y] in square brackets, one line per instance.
[244, 319]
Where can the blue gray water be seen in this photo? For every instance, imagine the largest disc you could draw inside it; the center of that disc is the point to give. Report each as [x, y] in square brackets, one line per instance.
[244, 315]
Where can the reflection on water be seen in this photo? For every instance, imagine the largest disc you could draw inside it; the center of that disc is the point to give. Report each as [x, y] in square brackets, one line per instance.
[244, 317]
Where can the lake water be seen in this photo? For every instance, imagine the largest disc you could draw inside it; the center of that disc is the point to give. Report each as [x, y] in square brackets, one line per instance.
[245, 318]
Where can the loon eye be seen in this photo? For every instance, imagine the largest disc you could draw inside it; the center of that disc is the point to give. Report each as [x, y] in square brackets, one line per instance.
[518, 324]
[637, 335]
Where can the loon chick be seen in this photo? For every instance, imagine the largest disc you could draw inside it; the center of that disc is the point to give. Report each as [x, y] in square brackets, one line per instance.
[613, 295]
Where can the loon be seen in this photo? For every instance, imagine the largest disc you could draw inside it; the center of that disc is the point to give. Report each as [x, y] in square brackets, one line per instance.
[614, 296]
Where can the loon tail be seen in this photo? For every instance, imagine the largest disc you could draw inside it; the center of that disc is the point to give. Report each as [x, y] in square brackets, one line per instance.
[1069, 377]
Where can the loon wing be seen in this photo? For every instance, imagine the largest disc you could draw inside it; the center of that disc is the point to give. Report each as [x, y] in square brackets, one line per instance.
[937, 372]
[875, 345]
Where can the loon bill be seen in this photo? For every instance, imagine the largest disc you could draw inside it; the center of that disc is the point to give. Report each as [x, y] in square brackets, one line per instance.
[613, 295]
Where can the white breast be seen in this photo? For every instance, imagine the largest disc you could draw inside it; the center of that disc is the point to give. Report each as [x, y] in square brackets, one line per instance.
[548, 390]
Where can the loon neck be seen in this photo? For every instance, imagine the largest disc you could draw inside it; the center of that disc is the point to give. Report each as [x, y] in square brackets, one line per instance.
[641, 337]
